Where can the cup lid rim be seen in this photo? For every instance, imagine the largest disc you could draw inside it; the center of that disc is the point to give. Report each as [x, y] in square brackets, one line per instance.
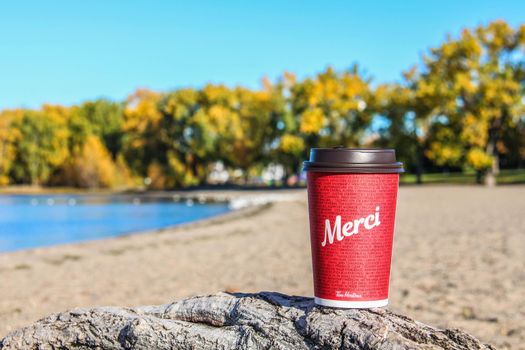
[362, 160]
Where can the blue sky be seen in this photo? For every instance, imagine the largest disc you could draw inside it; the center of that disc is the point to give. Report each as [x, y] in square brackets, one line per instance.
[71, 51]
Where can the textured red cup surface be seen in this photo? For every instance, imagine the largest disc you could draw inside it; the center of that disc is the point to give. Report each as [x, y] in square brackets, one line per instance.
[352, 218]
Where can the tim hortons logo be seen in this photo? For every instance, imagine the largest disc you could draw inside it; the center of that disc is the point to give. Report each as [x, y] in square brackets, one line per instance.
[349, 228]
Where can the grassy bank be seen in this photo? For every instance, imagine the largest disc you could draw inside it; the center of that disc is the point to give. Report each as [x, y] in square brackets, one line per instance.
[505, 177]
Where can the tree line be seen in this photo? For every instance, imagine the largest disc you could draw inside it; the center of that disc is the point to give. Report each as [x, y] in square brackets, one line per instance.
[462, 108]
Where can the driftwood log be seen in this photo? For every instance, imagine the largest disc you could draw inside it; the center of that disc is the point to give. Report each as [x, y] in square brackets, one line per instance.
[235, 321]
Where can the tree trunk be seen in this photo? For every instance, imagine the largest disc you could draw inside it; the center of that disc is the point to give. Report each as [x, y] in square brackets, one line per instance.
[419, 177]
[495, 164]
[235, 321]
[419, 166]
[245, 177]
[490, 176]
[479, 177]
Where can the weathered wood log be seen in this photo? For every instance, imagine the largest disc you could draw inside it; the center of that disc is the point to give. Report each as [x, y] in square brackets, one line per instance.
[235, 321]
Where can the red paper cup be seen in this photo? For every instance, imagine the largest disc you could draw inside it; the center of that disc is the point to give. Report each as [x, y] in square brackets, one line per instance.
[352, 204]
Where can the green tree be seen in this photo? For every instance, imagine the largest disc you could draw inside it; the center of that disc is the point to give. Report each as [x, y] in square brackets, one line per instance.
[288, 145]
[42, 145]
[234, 126]
[102, 118]
[186, 137]
[400, 128]
[410, 112]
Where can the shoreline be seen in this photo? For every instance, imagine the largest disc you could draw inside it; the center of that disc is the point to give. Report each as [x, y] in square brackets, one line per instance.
[457, 262]
[241, 205]
[45, 190]
[237, 202]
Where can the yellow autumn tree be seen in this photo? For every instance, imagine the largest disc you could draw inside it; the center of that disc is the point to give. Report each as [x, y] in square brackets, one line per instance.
[92, 166]
[475, 82]
[8, 136]
[142, 131]
[333, 108]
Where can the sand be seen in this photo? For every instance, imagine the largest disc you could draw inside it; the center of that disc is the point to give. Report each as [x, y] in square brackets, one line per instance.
[459, 261]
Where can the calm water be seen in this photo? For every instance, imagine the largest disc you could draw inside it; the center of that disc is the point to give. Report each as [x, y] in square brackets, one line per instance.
[36, 221]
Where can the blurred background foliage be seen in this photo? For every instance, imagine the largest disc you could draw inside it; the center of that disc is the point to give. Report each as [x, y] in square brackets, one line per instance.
[460, 110]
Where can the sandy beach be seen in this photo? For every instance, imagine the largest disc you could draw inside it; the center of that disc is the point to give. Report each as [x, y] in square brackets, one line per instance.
[459, 262]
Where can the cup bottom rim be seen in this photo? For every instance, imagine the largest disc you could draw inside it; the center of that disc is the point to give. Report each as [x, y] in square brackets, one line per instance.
[347, 304]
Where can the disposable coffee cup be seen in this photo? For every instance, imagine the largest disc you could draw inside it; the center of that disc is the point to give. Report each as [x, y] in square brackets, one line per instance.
[352, 197]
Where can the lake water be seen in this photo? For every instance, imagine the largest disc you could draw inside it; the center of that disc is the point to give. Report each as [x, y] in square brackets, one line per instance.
[28, 221]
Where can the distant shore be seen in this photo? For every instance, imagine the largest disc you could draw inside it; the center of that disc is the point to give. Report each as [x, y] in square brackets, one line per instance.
[23, 189]
[458, 258]
[506, 177]
[37, 190]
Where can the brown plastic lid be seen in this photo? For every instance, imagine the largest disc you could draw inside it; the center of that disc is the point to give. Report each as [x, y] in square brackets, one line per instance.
[353, 160]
